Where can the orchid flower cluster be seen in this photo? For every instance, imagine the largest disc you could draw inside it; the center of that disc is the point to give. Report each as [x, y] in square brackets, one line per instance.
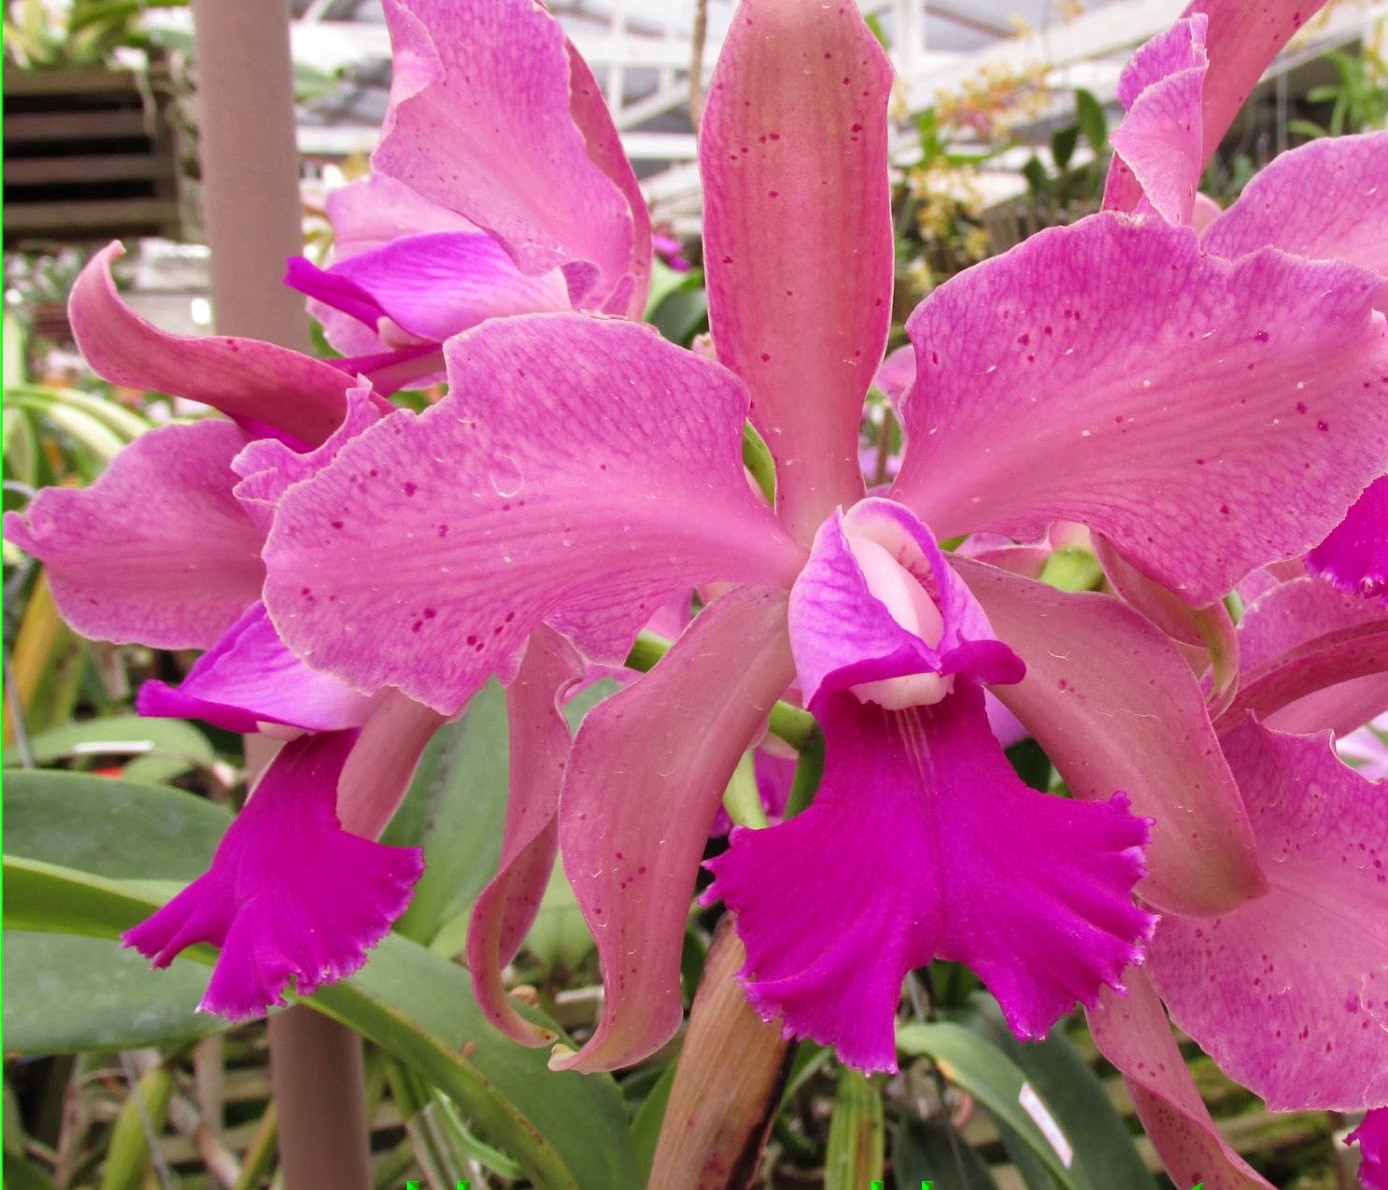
[1204, 392]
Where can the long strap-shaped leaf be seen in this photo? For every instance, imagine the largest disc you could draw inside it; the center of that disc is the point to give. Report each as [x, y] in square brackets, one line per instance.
[566, 1130]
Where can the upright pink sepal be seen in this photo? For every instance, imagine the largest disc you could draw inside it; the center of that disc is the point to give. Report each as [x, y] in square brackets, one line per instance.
[798, 236]
[1294, 642]
[648, 772]
[1355, 555]
[244, 378]
[157, 551]
[1132, 1032]
[1289, 993]
[1075, 378]
[537, 491]
[922, 842]
[505, 910]
[1372, 1139]
[292, 900]
[1115, 707]
[1160, 140]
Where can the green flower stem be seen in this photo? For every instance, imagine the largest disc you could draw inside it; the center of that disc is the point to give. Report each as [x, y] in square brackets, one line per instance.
[742, 799]
[756, 457]
[790, 723]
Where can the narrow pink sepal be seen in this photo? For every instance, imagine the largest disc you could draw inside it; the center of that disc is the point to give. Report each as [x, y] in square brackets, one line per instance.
[646, 779]
[798, 238]
[1231, 436]
[922, 842]
[505, 910]
[1327, 198]
[248, 678]
[1289, 993]
[1354, 557]
[1160, 140]
[1289, 630]
[378, 773]
[1115, 707]
[480, 123]
[1372, 1138]
[1335, 681]
[157, 551]
[1131, 1031]
[293, 901]
[244, 378]
[537, 490]
[843, 635]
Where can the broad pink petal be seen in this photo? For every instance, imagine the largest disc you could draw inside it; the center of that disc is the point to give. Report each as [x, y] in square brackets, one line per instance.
[1115, 707]
[1289, 993]
[538, 490]
[367, 215]
[293, 900]
[377, 210]
[430, 285]
[1372, 1139]
[588, 107]
[1207, 417]
[249, 678]
[1324, 199]
[1355, 555]
[798, 237]
[1160, 140]
[922, 842]
[268, 467]
[480, 123]
[1132, 1032]
[506, 908]
[843, 635]
[244, 378]
[157, 551]
[647, 775]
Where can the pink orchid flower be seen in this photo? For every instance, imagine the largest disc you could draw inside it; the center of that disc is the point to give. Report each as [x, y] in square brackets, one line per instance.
[581, 471]
[460, 220]
[1287, 1004]
[1324, 200]
[164, 550]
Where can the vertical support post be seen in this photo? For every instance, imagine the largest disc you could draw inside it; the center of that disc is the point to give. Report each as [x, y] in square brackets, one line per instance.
[252, 210]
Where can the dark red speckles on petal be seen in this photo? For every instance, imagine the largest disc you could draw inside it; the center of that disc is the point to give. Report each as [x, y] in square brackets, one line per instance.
[1261, 336]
